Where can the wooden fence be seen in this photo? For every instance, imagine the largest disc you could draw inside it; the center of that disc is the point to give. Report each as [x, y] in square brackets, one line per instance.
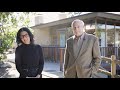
[56, 54]
[113, 63]
[52, 53]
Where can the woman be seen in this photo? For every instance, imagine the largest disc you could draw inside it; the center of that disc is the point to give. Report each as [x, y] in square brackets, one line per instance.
[28, 56]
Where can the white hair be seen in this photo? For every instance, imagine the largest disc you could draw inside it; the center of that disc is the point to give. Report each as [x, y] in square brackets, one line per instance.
[77, 20]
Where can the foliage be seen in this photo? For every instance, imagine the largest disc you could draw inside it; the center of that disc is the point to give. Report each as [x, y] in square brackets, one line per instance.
[10, 22]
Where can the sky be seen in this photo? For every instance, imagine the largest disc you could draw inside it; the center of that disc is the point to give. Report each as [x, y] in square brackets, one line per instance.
[115, 12]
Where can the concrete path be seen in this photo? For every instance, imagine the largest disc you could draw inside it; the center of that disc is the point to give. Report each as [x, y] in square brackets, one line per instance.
[50, 70]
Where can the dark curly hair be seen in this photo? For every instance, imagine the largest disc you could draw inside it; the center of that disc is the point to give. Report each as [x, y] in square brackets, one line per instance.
[18, 39]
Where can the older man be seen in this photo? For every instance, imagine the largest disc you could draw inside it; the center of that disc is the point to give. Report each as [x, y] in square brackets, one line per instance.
[82, 53]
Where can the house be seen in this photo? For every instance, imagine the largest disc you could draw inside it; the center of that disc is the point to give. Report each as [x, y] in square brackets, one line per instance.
[106, 26]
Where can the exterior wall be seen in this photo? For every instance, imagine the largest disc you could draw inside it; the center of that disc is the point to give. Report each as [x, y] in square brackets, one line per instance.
[42, 36]
[39, 20]
[54, 35]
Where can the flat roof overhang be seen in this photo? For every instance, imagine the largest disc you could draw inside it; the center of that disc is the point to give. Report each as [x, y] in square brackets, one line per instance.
[87, 18]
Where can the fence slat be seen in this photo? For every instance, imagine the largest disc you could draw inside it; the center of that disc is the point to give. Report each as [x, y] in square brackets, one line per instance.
[113, 66]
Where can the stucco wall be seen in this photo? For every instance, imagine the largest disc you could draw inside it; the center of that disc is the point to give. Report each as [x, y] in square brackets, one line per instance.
[42, 36]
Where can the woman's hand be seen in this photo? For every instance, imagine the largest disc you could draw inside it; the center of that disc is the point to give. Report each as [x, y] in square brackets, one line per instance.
[38, 76]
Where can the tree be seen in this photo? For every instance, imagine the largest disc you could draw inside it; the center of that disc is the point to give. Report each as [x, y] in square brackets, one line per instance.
[10, 22]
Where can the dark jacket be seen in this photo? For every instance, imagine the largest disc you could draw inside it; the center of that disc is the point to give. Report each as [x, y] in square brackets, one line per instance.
[29, 60]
